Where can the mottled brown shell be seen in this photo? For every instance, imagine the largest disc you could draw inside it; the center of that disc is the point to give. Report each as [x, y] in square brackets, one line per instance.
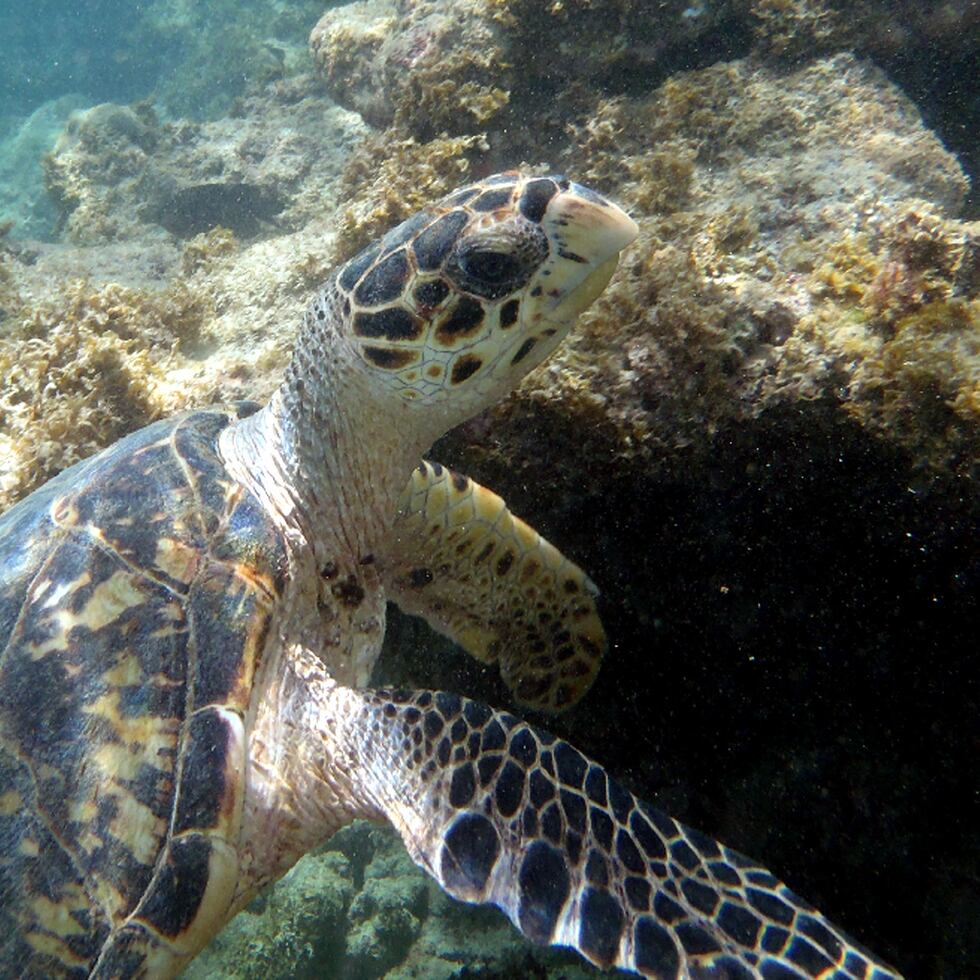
[135, 599]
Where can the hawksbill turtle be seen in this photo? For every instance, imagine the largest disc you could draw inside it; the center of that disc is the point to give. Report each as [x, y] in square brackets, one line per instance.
[188, 623]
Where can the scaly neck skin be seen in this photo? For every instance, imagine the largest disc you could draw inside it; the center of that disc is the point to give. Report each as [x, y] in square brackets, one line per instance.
[329, 454]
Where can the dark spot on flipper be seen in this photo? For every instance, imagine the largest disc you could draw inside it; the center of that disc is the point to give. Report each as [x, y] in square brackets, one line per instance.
[509, 791]
[653, 949]
[620, 801]
[651, 842]
[487, 768]
[667, 909]
[523, 747]
[433, 245]
[601, 926]
[544, 887]
[504, 563]
[551, 823]
[384, 282]
[449, 705]
[476, 714]
[637, 893]
[741, 924]
[733, 969]
[666, 826]
[706, 846]
[595, 785]
[774, 939]
[810, 959]
[684, 855]
[628, 853]
[463, 786]
[726, 874]
[777, 971]
[349, 592]
[821, 935]
[703, 898]
[485, 553]
[469, 853]
[696, 940]
[597, 869]
[542, 788]
[420, 577]
[178, 889]
[573, 806]
[770, 906]
[493, 737]
[432, 725]
[571, 765]
[602, 827]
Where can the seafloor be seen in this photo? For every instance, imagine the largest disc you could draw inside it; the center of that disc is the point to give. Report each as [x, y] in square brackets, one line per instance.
[762, 443]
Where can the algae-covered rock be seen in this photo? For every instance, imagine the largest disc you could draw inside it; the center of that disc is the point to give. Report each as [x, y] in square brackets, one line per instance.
[755, 190]
[360, 909]
[23, 199]
[294, 930]
[121, 173]
[435, 66]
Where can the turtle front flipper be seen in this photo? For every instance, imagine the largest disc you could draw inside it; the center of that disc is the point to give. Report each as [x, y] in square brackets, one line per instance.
[481, 576]
[503, 813]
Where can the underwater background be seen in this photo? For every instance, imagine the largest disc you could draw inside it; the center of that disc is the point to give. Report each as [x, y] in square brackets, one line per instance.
[762, 442]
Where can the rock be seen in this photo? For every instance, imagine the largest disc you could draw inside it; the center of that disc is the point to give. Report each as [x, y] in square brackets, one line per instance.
[115, 170]
[23, 199]
[294, 930]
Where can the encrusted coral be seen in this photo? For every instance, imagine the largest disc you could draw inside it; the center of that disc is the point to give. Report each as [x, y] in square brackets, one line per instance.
[790, 28]
[118, 173]
[360, 909]
[85, 370]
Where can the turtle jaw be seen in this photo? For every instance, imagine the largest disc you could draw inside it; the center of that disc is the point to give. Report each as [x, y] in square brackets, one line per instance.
[588, 234]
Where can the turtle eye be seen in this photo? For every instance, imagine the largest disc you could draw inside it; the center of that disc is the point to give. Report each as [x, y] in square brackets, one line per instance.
[492, 268]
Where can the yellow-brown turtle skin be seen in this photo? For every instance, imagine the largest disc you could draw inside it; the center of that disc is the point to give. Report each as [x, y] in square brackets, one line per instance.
[135, 597]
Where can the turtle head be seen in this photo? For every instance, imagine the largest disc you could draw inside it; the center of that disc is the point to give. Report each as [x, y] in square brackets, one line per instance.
[455, 305]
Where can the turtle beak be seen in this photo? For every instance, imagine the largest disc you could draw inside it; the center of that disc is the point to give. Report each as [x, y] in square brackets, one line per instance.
[587, 233]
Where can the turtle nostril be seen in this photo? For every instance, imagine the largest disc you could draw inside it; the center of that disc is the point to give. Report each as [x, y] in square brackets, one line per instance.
[563, 182]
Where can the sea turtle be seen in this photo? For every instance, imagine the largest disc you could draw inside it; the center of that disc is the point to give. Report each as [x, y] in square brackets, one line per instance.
[188, 622]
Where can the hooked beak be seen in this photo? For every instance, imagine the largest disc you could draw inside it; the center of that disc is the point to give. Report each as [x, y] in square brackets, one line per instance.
[590, 232]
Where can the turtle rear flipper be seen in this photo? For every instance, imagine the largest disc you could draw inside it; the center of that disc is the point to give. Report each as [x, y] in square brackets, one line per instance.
[457, 556]
[503, 813]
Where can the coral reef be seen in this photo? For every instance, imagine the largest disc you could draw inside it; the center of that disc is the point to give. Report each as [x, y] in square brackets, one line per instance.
[433, 66]
[85, 370]
[786, 257]
[762, 442]
[360, 909]
[117, 169]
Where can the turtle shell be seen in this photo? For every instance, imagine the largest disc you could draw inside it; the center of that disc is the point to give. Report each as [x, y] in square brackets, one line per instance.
[136, 593]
